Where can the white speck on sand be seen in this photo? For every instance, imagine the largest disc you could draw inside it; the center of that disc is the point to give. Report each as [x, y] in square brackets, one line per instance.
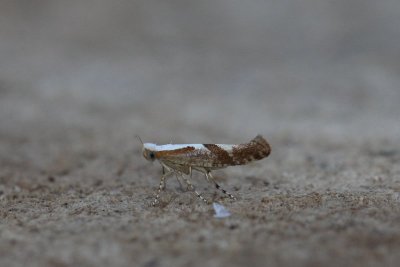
[220, 211]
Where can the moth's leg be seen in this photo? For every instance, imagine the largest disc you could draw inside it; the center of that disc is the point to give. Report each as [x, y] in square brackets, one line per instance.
[160, 187]
[164, 185]
[163, 172]
[205, 171]
[179, 181]
[192, 188]
[189, 185]
[211, 178]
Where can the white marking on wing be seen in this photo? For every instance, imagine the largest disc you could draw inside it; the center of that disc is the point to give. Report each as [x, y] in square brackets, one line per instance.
[155, 147]
[225, 147]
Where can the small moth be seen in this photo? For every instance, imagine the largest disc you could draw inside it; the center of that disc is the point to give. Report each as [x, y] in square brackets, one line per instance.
[182, 159]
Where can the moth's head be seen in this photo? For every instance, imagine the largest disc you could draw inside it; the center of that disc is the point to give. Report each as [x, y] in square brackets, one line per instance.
[149, 152]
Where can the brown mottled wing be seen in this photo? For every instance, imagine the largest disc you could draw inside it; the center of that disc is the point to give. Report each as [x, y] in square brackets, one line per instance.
[190, 158]
[177, 159]
[256, 149]
[215, 156]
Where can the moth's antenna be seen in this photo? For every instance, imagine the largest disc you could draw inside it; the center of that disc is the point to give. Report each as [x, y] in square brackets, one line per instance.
[138, 137]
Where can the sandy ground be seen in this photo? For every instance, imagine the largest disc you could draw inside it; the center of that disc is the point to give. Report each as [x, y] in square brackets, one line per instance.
[76, 191]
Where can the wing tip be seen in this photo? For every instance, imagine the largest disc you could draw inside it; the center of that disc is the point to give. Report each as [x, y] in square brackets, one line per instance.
[263, 144]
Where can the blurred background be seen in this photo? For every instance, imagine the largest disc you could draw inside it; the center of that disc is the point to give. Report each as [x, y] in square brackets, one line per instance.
[318, 78]
[201, 70]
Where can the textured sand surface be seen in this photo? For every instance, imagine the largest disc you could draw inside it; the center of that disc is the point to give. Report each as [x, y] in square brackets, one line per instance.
[319, 80]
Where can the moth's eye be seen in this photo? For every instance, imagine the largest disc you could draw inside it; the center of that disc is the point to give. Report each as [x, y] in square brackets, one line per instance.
[152, 156]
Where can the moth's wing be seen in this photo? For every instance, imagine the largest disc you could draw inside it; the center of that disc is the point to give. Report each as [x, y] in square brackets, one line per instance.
[257, 149]
[217, 156]
[200, 158]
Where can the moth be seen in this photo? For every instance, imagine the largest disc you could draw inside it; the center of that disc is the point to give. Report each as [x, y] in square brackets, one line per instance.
[182, 159]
